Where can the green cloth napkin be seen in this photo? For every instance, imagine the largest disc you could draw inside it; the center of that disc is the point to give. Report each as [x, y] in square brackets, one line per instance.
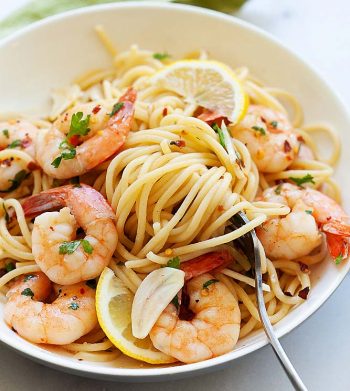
[39, 9]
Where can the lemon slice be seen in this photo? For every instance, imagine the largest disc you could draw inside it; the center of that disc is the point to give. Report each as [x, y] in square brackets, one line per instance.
[113, 305]
[209, 84]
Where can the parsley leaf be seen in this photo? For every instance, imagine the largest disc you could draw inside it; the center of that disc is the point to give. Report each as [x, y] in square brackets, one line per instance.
[65, 155]
[56, 162]
[309, 212]
[259, 129]
[10, 266]
[16, 181]
[15, 144]
[87, 246]
[174, 263]
[305, 179]
[70, 247]
[175, 301]
[27, 292]
[274, 124]
[209, 282]
[161, 56]
[278, 189]
[219, 131]
[6, 133]
[28, 277]
[116, 108]
[73, 306]
[78, 125]
[338, 259]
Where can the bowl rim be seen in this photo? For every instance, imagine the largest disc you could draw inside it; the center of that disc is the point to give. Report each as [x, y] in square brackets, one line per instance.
[148, 374]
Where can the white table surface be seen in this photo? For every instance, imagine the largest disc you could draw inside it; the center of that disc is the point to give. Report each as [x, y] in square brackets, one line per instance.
[319, 30]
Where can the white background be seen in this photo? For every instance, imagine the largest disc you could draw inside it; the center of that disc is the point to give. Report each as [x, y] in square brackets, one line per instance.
[318, 30]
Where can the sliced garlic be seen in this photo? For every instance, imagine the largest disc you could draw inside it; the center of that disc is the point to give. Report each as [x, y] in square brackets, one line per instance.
[153, 295]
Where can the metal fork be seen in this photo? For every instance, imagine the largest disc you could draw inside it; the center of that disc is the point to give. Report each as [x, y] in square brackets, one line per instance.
[250, 245]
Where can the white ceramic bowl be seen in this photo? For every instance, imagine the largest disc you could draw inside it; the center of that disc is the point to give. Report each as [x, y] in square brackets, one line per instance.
[52, 52]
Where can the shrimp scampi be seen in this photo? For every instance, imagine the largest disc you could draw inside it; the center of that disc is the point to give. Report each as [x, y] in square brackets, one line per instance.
[60, 321]
[61, 255]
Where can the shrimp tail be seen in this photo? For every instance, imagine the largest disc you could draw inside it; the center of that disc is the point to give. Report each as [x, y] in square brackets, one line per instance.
[206, 263]
[45, 201]
[337, 246]
[336, 227]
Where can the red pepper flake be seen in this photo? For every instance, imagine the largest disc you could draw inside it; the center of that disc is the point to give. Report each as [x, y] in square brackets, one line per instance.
[26, 141]
[32, 166]
[65, 117]
[74, 140]
[304, 293]
[288, 294]
[301, 139]
[82, 291]
[287, 147]
[165, 111]
[263, 119]
[220, 208]
[96, 109]
[304, 268]
[6, 163]
[178, 143]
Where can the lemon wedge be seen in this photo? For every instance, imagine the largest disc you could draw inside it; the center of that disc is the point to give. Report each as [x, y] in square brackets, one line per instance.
[113, 306]
[209, 84]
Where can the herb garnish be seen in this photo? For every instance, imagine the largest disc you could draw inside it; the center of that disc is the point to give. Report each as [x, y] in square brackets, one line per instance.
[338, 259]
[6, 133]
[309, 212]
[305, 179]
[209, 282]
[27, 292]
[70, 247]
[91, 284]
[10, 266]
[161, 56]
[274, 124]
[259, 129]
[278, 189]
[15, 144]
[116, 108]
[220, 133]
[73, 306]
[78, 127]
[16, 181]
[28, 277]
[174, 263]
[175, 301]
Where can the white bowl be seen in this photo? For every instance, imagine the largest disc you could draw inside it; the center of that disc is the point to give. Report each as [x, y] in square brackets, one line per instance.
[51, 53]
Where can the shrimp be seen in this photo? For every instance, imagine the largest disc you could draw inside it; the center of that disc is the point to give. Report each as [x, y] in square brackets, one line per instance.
[269, 137]
[15, 134]
[62, 321]
[208, 323]
[63, 257]
[298, 233]
[85, 136]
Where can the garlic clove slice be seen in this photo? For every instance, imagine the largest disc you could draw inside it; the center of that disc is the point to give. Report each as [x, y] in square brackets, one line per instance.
[153, 295]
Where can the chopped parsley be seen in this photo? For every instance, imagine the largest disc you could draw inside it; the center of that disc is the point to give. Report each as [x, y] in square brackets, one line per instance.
[16, 181]
[28, 277]
[6, 133]
[338, 259]
[209, 282]
[10, 266]
[7, 217]
[161, 56]
[73, 306]
[220, 133]
[175, 301]
[274, 124]
[27, 292]
[15, 144]
[174, 263]
[91, 284]
[309, 212]
[70, 247]
[305, 179]
[78, 125]
[116, 108]
[259, 129]
[68, 154]
[278, 189]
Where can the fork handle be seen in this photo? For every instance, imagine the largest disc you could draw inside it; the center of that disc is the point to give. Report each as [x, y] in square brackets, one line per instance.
[277, 347]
